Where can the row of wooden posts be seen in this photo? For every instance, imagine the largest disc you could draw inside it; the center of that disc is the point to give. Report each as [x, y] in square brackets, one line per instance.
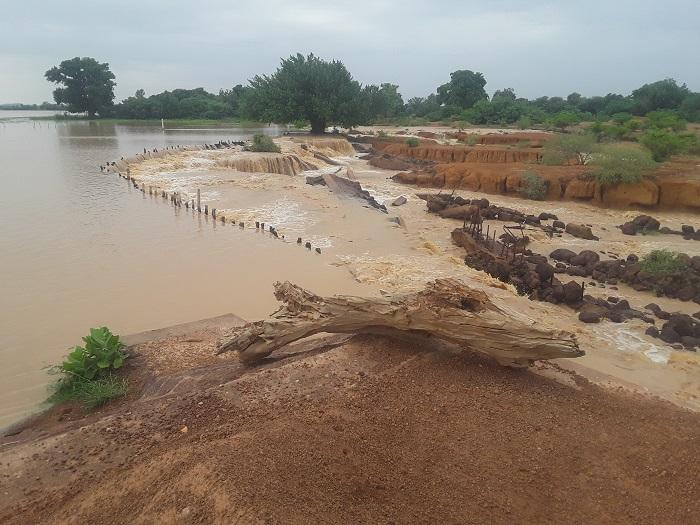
[175, 199]
[475, 228]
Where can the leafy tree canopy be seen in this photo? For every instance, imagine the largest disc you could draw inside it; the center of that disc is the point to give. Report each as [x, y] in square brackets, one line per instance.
[664, 94]
[382, 101]
[464, 89]
[306, 88]
[87, 85]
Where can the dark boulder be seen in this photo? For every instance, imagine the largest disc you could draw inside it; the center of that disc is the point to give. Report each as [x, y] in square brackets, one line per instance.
[669, 335]
[572, 292]
[589, 317]
[646, 223]
[559, 224]
[690, 342]
[581, 231]
[585, 258]
[652, 331]
[562, 254]
[628, 229]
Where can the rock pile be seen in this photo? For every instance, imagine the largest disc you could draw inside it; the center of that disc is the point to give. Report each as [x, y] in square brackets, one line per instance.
[645, 224]
[679, 330]
[683, 285]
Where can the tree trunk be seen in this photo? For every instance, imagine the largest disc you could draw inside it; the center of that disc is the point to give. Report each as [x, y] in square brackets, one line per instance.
[446, 309]
[318, 127]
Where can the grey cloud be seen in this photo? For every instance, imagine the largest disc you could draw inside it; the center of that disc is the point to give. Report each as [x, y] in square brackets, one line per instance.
[537, 47]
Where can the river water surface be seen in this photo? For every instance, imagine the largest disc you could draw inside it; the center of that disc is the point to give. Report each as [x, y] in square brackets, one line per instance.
[79, 248]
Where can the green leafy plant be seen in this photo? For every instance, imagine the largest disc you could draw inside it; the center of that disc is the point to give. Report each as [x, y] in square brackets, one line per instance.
[534, 187]
[663, 263]
[412, 142]
[103, 351]
[617, 164]
[264, 143]
[382, 134]
[88, 371]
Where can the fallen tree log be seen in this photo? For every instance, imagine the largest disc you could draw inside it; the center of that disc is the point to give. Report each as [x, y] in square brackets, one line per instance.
[446, 309]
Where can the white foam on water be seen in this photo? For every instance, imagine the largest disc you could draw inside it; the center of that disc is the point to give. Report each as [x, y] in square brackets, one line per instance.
[629, 342]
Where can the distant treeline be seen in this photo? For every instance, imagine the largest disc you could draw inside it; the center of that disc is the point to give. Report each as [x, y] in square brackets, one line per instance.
[384, 103]
[319, 92]
[46, 106]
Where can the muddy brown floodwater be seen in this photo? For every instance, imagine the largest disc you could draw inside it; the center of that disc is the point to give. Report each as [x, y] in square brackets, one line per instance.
[79, 248]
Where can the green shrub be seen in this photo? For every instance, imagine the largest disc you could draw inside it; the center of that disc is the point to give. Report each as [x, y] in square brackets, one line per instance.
[562, 149]
[471, 140]
[87, 372]
[662, 143]
[524, 122]
[665, 119]
[103, 352]
[264, 143]
[534, 187]
[663, 263]
[412, 142]
[382, 134]
[617, 164]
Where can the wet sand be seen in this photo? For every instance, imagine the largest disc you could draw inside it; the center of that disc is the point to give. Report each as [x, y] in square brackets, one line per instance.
[353, 430]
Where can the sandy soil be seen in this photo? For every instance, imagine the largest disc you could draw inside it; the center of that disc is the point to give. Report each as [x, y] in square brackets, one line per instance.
[354, 430]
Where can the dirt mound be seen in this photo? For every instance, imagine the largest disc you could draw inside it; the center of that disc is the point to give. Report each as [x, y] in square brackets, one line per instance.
[364, 431]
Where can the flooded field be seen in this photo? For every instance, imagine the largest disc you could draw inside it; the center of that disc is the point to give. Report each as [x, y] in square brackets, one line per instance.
[79, 248]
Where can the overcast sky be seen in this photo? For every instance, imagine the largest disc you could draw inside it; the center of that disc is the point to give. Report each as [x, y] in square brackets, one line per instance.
[537, 47]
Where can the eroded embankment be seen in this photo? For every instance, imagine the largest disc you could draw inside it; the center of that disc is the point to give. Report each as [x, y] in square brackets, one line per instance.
[344, 430]
[498, 169]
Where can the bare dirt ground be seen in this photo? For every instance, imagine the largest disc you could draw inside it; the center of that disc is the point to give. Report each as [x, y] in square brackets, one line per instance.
[360, 430]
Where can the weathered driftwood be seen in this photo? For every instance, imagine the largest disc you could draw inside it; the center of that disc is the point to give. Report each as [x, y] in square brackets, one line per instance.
[446, 309]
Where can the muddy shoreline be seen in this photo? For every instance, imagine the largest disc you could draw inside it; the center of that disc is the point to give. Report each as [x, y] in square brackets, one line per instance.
[396, 430]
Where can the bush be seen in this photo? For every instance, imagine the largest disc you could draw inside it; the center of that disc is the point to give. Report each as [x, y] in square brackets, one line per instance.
[264, 143]
[412, 142]
[665, 119]
[564, 148]
[662, 143]
[382, 134]
[534, 187]
[88, 371]
[617, 164]
[103, 352]
[524, 122]
[663, 263]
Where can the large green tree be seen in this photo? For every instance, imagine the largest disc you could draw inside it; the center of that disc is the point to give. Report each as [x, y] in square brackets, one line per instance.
[382, 101]
[464, 89]
[87, 85]
[306, 88]
[664, 94]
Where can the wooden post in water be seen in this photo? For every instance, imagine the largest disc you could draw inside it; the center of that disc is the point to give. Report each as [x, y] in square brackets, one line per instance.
[199, 201]
[206, 209]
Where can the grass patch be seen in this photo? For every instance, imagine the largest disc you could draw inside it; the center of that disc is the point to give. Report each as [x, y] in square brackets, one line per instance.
[663, 263]
[90, 394]
[412, 142]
